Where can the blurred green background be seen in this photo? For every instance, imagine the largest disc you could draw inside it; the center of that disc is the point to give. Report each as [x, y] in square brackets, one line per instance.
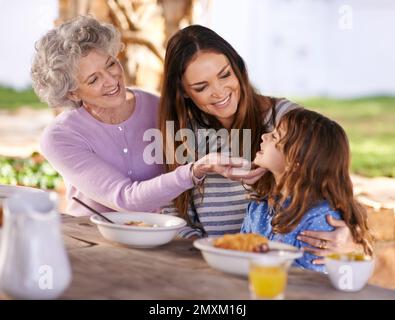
[370, 126]
[369, 123]
[11, 99]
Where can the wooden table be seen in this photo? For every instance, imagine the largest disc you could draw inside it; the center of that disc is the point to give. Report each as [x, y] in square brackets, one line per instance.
[104, 270]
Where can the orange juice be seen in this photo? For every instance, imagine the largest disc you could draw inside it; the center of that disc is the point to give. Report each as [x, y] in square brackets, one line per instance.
[351, 256]
[267, 282]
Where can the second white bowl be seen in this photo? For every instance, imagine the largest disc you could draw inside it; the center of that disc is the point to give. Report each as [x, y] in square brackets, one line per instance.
[350, 276]
[166, 229]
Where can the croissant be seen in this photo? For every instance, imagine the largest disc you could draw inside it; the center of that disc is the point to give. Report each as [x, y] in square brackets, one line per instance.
[240, 241]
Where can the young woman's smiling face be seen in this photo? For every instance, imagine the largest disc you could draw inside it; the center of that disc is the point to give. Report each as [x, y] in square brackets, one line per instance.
[211, 83]
[271, 156]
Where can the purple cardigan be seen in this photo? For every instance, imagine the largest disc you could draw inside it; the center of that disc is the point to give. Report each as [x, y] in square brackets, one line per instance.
[102, 164]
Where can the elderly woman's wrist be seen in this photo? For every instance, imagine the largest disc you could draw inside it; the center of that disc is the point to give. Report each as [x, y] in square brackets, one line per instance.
[198, 174]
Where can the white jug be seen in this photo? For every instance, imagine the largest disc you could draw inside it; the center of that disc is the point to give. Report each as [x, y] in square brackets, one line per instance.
[33, 259]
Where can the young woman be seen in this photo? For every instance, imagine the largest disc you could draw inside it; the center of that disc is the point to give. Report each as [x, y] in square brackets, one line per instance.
[206, 86]
[307, 157]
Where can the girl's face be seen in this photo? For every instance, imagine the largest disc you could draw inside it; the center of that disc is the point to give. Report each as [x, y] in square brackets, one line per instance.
[271, 156]
[212, 85]
[100, 81]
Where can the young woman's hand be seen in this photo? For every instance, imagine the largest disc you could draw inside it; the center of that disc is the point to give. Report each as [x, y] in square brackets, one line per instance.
[325, 243]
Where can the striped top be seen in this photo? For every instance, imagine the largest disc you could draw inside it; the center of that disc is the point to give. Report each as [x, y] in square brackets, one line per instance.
[223, 206]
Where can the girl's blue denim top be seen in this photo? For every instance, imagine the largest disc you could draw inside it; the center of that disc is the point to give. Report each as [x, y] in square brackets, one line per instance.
[258, 220]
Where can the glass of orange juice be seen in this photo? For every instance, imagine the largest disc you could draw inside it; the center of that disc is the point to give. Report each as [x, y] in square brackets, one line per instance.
[267, 278]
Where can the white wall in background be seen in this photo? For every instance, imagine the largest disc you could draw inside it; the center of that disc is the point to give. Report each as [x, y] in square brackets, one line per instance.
[22, 22]
[304, 47]
[292, 47]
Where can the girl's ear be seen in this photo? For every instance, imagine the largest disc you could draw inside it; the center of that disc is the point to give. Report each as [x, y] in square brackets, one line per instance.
[294, 168]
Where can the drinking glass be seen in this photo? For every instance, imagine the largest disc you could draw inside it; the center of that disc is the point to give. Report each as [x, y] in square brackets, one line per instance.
[267, 278]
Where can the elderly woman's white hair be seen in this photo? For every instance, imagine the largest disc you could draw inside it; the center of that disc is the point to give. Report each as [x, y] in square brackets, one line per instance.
[59, 51]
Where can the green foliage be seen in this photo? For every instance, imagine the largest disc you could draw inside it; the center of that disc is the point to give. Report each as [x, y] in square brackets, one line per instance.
[11, 99]
[370, 126]
[32, 172]
[369, 123]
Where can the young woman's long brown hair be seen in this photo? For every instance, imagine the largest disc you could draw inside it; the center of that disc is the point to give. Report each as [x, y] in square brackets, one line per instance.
[317, 157]
[252, 107]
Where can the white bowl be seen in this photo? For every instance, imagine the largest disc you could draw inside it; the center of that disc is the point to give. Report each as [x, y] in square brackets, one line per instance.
[238, 262]
[139, 237]
[350, 276]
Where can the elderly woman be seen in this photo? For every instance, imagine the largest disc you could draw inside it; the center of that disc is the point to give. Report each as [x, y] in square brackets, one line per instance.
[98, 145]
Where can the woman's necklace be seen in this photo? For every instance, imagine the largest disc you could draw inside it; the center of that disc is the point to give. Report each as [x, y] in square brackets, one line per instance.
[113, 115]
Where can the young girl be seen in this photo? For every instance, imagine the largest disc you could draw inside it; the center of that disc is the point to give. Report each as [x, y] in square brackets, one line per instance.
[307, 157]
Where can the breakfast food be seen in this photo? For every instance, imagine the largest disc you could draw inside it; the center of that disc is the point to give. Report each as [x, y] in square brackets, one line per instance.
[250, 242]
[139, 224]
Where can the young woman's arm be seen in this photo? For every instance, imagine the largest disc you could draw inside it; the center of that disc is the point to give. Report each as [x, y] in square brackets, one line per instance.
[338, 240]
[317, 223]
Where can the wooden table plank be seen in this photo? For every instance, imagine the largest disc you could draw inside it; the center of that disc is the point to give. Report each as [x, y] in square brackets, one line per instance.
[81, 228]
[122, 273]
[104, 270]
[73, 243]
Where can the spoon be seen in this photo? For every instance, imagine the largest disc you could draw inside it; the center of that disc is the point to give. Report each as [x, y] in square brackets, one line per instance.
[93, 210]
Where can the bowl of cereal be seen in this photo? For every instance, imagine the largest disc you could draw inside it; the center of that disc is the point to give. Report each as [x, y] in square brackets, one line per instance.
[139, 229]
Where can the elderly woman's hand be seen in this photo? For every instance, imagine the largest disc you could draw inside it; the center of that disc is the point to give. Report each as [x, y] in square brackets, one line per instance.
[249, 177]
[325, 243]
[233, 168]
[217, 163]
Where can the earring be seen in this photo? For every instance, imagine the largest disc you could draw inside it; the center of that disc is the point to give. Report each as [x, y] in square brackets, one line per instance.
[296, 167]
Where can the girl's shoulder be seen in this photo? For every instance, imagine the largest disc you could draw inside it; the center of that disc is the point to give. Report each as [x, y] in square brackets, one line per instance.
[320, 211]
[255, 205]
[323, 207]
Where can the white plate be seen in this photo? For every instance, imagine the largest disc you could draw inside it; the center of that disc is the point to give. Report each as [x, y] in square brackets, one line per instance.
[139, 237]
[237, 262]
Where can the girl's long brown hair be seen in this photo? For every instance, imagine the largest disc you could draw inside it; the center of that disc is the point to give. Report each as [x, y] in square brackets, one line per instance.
[252, 107]
[317, 158]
